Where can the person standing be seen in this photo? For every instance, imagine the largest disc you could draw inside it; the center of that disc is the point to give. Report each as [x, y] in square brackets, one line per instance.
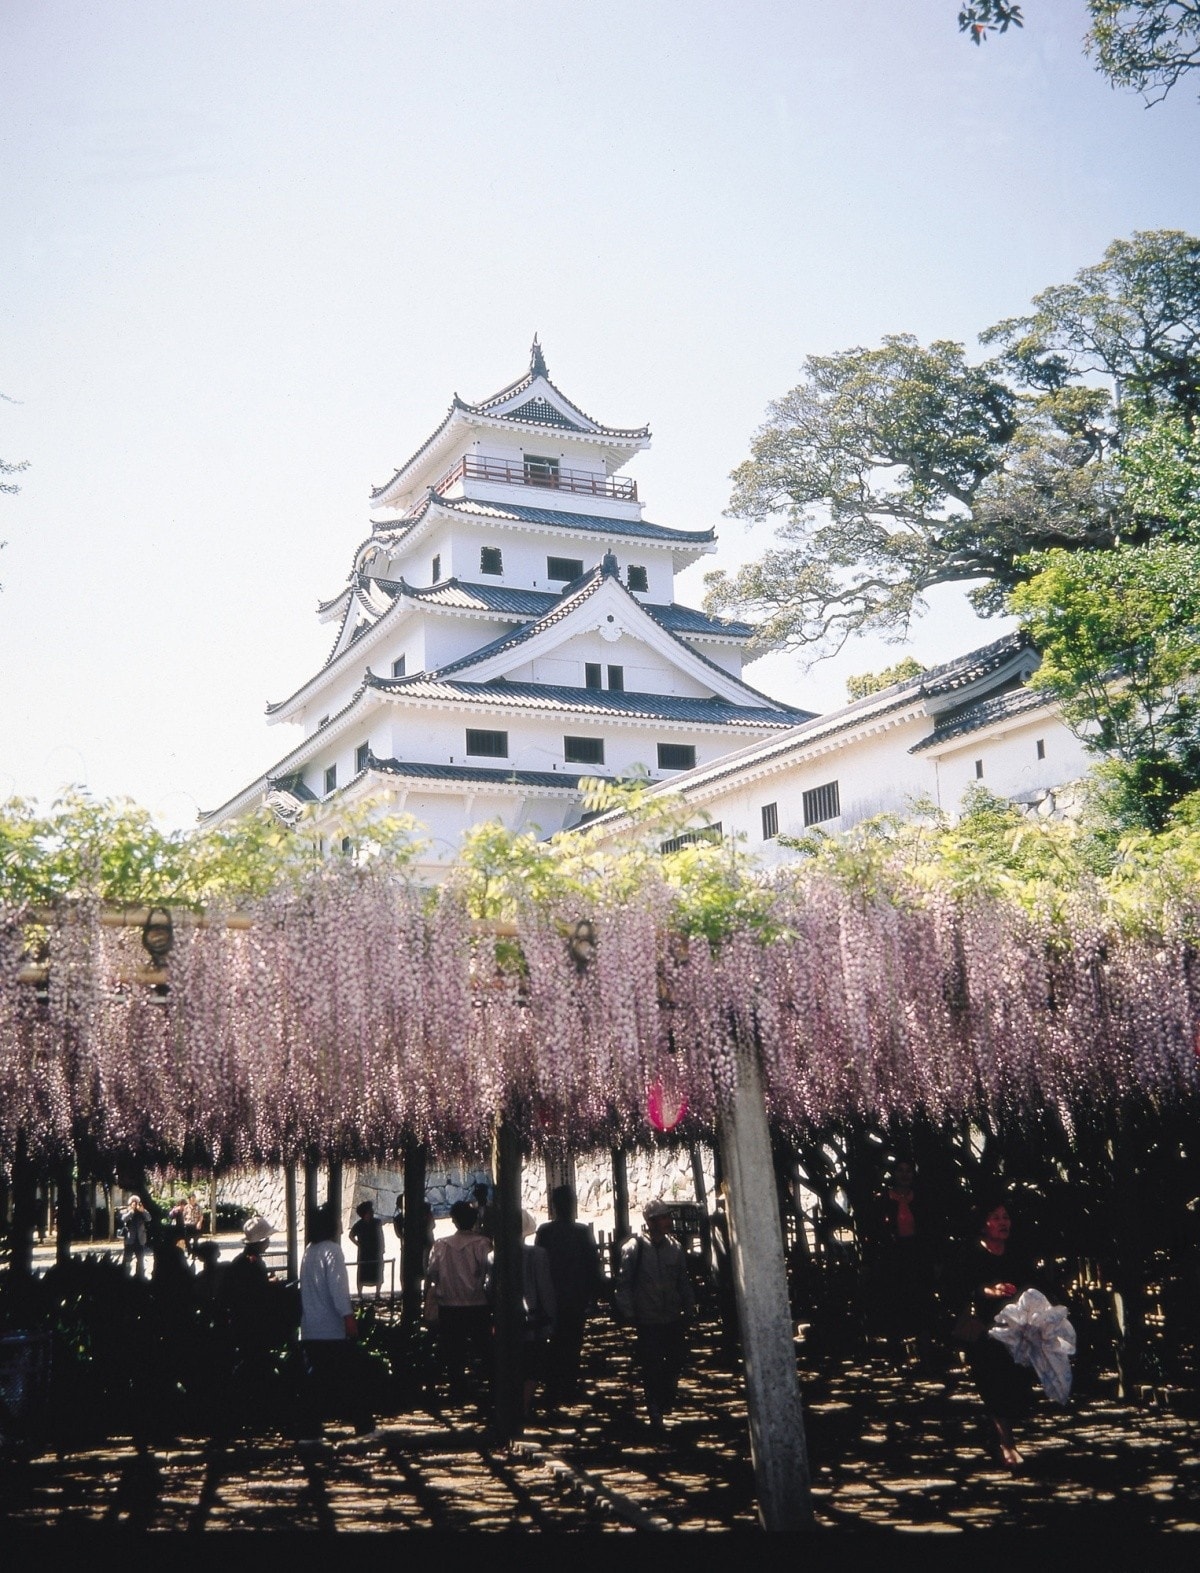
[191, 1216]
[992, 1274]
[899, 1239]
[135, 1223]
[367, 1237]
[328, 1331]
[575, 1273]
[654, 1293]
[456, 1300]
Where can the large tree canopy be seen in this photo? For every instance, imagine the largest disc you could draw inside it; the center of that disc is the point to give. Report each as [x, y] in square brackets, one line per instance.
[904, 467]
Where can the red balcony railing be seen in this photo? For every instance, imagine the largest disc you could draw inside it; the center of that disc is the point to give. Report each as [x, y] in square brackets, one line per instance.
[538, 472]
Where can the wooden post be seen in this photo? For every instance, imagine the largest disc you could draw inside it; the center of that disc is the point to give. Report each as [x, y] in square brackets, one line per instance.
[509, 1279]
[701, 1190]
[311, 1198]
[560, 1170]
[290, 1222]
[24, 1210]
[65, 1214]
[335, 1194]
[777, 1443]
[620, 1195]
[412, 1255]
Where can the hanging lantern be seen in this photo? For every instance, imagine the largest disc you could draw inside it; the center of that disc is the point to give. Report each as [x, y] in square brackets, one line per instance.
[665, 1106]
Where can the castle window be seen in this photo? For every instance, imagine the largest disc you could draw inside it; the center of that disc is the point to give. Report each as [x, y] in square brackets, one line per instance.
[1041, 748]
[822, 803]
[770, 821]
[616, 679]
[583, 750]
[689, 838]
[360, 757]
[489, 745]
[540, 472]
[491, 560]
[979, 770]
[330, 779]
[436, 571]
[592, 675]
[677, 756]
[564, 569]
[637, 578]
[398, 666]
[324, 721]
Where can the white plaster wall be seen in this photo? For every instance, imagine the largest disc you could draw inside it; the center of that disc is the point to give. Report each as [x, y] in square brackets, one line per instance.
[1010, 763]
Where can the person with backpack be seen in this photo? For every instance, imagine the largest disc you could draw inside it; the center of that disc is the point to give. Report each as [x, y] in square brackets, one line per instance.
[654, 1295]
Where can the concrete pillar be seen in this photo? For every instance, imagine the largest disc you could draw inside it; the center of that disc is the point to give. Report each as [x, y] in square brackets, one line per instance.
[777, 1441]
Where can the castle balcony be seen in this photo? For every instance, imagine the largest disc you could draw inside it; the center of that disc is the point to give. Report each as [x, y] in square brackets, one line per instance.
[544, 474]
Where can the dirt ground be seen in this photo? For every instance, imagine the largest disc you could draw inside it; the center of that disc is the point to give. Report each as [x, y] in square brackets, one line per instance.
[889, 1449]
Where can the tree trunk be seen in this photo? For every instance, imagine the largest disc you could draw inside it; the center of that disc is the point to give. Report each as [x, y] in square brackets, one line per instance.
[291, 1223]
[312, 1198]
[335, 1195]
[24, 1210]
[65, 1220]
[412, 1259]
[508, 1278]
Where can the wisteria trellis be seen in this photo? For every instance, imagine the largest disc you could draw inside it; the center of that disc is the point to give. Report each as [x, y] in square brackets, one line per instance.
[359, 1012]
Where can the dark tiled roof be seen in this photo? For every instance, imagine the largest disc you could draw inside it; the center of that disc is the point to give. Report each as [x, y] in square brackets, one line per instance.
[984, 714]
[559, 519]
[971, 667]
[560, 779]
[559, 608]
[600, 701]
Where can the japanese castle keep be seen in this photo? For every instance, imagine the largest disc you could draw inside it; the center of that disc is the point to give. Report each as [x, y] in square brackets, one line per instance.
[508, 627]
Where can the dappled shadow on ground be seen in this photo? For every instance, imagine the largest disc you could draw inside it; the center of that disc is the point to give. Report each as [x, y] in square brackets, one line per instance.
[901, 1450]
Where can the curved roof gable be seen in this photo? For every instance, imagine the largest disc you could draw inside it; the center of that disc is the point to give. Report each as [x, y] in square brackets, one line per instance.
[532, 401]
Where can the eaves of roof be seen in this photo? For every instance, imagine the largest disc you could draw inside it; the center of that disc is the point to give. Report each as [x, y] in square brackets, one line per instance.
[987, 712]
[477, 775]
[556, 519]
[560, 699]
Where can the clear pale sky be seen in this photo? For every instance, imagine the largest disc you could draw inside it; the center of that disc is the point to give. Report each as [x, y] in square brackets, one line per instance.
[250, 249]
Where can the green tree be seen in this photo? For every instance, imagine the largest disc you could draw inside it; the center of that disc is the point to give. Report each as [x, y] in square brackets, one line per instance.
[1144, 44]
[872, 682]
[1119, 633]
[900, 468]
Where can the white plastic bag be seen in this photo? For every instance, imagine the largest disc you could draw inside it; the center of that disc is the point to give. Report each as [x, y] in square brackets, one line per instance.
[1038, 1334]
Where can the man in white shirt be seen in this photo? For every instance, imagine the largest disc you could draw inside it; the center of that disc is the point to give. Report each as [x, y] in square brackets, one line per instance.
[455, 1296]
[328, 1332]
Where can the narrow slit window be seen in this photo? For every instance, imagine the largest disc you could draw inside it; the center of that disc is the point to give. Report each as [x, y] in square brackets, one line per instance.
[360, 757]
[1041, 748]
[592, 676]
[398, 666]
[979, 770]
[330, 779]
[616, 679]
[822, 803]
[689, 838]
[436, 571]
[770, 821]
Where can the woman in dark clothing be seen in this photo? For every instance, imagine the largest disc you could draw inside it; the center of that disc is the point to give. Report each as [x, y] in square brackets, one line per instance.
[993, 1274]
[367, 1236]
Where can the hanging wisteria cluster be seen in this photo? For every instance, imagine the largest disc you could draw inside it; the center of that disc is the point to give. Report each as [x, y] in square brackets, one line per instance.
[357, 1013]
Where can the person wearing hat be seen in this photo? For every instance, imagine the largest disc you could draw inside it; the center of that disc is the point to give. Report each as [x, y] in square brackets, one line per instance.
[244, 1320]
[654, 1294]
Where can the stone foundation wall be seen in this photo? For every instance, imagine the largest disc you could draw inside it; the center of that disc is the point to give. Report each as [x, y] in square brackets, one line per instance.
[665, 1172]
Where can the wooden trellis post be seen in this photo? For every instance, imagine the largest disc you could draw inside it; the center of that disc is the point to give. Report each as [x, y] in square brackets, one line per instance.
[509, 1306]
[777, 1443]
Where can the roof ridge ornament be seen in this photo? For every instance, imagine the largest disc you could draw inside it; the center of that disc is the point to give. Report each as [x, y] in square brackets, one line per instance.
[537, 361]
[608, 565]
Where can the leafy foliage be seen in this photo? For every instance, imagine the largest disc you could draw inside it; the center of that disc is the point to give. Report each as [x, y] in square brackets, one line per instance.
[1148, 45]
[904, 467]
[981, 17]
[872, 682]
[1119, 634]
